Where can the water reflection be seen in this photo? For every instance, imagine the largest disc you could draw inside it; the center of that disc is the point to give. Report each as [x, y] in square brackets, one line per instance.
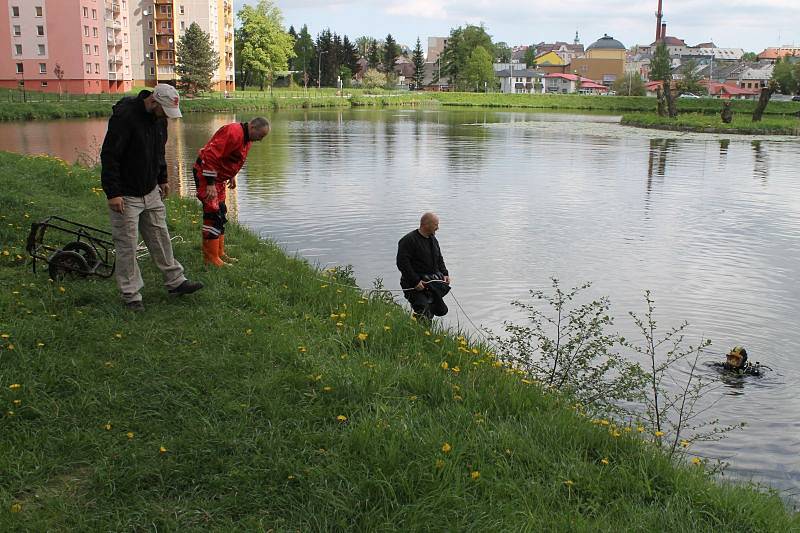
[760, 162]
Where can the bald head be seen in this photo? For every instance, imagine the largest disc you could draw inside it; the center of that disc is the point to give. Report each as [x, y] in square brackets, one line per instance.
[428, 224]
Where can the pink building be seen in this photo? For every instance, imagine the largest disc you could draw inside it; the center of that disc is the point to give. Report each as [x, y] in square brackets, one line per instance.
[75, 46]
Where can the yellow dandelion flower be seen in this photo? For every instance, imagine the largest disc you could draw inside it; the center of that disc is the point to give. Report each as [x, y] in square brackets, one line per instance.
[5, 336]
[457, 398]
[339, 324]
[107, 427]
[11, 347]
[343, 315]
[456, 369]
[62, 289]
[16, 508]
[341, 418]
[437, 341]
[628, 429]
[387, 328]
[439, 464]
[324, 286]
[130, 434]
[118, 335]
[363, 336]
[474, 475]
[248, 331]
[290, 477]
[527, 382]
[444, 365]
[446, 448]
[604, 461]
[15, 386]
[685, 443]
[659, 434]
[162, 449]
[301, 349]
[568, 482]
[412, 397]
[605, 422]
[334, 316]
[39, 344]
[427, 333]
[6, 252]
[327, 389]
[696, 460]
[9, 413]
[640, 429]
[17, 402]
[475, 351]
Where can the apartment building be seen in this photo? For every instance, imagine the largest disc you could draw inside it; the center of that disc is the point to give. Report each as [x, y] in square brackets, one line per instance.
[76, 46]
[158, 24]
[94, 46]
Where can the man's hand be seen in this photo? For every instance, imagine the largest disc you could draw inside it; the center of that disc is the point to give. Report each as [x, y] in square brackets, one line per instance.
[211, 192]
[232, 183]
[420, 286]
[164, 188]
[116, 204]
[447, 279]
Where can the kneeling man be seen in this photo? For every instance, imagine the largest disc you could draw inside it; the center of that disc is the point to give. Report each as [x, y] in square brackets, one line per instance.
[424, 276]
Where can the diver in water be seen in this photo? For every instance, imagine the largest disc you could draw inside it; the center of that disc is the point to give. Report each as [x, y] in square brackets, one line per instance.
[736, 362]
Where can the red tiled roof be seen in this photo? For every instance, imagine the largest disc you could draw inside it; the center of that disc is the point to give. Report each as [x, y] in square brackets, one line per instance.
[593, 85]
[732, 90]
[775, 53]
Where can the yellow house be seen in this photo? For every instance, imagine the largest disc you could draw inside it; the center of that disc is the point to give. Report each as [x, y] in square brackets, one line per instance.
[606, 48]
[549, 59]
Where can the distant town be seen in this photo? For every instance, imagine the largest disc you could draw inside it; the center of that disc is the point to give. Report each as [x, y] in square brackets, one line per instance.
[95, 46]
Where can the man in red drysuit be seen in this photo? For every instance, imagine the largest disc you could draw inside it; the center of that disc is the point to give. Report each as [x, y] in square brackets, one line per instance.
[217, 165]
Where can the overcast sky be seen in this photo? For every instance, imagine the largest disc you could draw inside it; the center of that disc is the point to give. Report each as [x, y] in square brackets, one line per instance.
[749, 24]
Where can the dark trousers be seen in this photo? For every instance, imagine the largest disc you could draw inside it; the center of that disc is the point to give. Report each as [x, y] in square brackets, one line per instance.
[426, 303]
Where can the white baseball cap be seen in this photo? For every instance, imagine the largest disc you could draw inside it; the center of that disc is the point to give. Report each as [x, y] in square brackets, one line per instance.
[168, 97]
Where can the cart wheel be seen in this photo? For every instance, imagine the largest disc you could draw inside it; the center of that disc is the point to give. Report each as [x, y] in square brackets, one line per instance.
[84, 249]
[64, 264]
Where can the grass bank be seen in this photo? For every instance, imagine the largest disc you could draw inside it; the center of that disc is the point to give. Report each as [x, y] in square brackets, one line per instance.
[287, 99]
[741, 124]
[273, 399]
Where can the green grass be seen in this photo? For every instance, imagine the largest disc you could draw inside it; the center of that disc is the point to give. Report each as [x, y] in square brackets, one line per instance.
[742, 123]
[242, 384]
[86, 106]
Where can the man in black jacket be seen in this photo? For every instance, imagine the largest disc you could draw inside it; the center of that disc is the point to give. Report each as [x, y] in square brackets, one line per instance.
[134, 178]
[424, 276]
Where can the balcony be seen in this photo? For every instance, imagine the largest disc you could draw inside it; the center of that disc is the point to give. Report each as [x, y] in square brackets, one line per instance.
[112, 76]
[164, 31]
[113, 7]
[163, 2]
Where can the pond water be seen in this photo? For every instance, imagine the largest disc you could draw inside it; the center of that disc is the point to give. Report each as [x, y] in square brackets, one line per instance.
[709, 223]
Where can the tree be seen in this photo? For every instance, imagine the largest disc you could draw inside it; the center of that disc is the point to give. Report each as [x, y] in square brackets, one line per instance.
[419, 66]
[750, 56]
[763, 99]
[59, 73]
[784, 76]
[349, 55]
[373, 78]
[661, 70]
[502, 52]
[196, 61]
[530, 57]
[460, 44]
[630, 85]
[362, 45]
[373, 55]
[390, 52]
[264, 47]
[479, 72]
[691, 78]
[304, 54]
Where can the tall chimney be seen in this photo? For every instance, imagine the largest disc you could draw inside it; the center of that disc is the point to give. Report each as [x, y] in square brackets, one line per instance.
[663, 31]
[659, 14]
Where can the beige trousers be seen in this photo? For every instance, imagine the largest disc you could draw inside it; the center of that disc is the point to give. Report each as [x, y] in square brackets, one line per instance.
[148, 216]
